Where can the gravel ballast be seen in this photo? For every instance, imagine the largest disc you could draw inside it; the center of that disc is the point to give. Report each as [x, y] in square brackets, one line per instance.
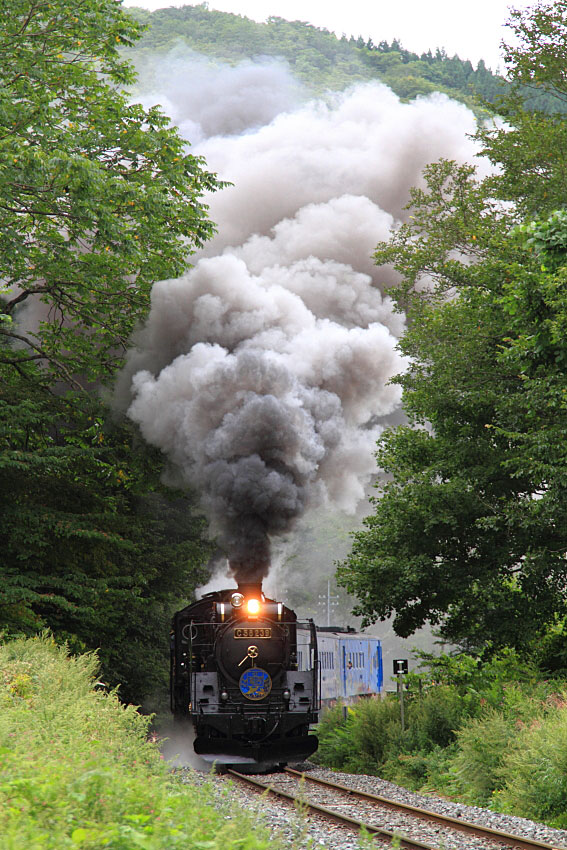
[302, 832]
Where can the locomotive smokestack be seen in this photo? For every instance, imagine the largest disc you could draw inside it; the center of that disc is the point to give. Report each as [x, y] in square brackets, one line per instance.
[248, 589]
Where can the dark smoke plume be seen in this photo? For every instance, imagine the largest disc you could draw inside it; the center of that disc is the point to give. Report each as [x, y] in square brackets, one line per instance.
[263, 405]
[263, 373]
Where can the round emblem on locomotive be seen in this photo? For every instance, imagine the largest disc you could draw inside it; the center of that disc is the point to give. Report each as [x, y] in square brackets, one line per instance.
[255, 683]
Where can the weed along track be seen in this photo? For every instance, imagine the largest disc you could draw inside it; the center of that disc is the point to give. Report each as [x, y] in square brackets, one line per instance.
[385, 819]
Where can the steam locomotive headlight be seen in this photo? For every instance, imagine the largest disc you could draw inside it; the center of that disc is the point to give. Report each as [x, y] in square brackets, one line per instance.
[286, 695]
[224, 696]
[253, 606]
[237, 600]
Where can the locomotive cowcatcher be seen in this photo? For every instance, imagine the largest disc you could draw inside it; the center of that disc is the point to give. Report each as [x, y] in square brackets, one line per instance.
[234, 674]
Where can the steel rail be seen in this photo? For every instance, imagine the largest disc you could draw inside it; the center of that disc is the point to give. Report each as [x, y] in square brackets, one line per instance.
[344, 820]
[426, 814]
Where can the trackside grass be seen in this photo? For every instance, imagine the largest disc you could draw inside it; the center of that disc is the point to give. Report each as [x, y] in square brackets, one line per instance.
[77, 770]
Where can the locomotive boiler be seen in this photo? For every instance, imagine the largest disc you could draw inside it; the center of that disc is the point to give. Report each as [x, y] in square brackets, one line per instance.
[235, 675]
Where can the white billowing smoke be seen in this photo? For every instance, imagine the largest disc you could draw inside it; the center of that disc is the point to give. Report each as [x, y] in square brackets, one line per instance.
[205, 98]
[364, 143]
[263, 373]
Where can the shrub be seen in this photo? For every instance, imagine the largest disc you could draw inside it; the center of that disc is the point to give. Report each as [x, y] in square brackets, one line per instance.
[485, 733]
[534, 769]
[364, 740]
[77, 770]
[482, 744]
[434, 717]
[335, 745]
[376, 732]
[422, 771]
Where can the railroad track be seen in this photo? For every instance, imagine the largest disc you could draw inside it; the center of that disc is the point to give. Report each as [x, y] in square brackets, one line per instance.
[362, 811]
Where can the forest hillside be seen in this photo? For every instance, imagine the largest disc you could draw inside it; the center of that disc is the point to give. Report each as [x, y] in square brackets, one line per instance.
[318, 58]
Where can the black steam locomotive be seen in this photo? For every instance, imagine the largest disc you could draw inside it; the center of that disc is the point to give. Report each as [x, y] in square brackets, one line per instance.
[235, 675]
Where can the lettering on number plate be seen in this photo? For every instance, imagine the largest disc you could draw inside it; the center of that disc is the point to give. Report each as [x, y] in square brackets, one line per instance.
[252, 633]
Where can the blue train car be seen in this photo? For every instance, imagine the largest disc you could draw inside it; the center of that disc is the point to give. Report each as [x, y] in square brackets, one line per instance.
[360, 666]
[350, 665]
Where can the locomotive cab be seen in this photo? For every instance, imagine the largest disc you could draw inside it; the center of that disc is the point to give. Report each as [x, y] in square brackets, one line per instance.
[234, 674]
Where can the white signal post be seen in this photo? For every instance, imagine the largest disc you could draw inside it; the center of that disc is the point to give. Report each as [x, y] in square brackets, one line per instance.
[400, 669]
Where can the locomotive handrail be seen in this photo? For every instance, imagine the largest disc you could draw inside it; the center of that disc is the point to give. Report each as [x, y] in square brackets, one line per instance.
[171, 671]
[316, 670]
[192, 684]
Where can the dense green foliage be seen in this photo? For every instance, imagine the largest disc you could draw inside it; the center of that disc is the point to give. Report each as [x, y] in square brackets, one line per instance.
[410, 75]
[98, 199]
[315, 56]
[93, 546]
[491, 734]
[77, 770]
[470, 530]
[531, 155]
[96, 192]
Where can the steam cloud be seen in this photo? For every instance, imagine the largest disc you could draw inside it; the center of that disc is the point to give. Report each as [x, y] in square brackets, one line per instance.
[263, 373]
[206, 99]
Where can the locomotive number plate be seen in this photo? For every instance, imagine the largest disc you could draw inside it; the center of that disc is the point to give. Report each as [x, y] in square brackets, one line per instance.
[252, 633]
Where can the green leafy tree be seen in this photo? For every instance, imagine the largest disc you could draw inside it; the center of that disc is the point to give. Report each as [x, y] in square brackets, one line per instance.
[530, 151]
[98, 198]
[93, 546]
[469, 531]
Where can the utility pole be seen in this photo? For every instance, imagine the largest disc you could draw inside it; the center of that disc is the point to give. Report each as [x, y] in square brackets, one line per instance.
[329, 600]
